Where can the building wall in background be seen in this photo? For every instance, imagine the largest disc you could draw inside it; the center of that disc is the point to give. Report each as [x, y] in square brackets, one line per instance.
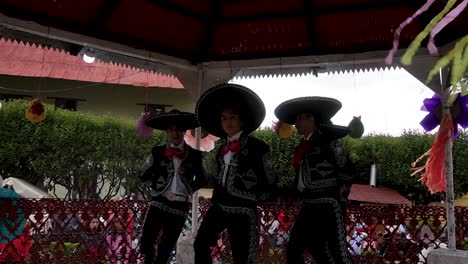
[119, 100]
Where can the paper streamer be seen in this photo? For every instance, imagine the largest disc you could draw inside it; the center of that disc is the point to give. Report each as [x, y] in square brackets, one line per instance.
[413, 47]
[396, 36]
[444, 22]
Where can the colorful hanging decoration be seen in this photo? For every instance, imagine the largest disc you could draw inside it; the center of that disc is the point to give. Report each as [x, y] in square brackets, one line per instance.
[435, 173]
[282, 129]
[207, 141]
[414, 46]
[434, 169]
[459, 112]
[459, 58]
[442, 23]
[456, 56]
[143, 129]
[396, 37]
[35, 111]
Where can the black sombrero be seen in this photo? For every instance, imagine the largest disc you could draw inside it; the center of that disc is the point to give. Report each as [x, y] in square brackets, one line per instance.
[335, 131]
[184, 120]
[355, 129]
[213, 101]
[323, 108]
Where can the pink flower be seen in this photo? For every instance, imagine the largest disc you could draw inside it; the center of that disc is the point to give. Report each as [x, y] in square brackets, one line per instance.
[143, 129]
[207, 142]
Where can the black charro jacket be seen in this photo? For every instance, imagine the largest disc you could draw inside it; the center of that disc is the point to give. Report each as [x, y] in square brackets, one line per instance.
[158, 170]
[325, 168]
[250, 175]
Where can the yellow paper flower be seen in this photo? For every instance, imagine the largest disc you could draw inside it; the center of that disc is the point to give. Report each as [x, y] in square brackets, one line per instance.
[35, 111]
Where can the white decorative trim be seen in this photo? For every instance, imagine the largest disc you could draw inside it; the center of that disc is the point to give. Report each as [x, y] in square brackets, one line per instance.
[231, 176]
[148, 163]
[168, 209]
[253, 230]
[338, 150]
[339, 224]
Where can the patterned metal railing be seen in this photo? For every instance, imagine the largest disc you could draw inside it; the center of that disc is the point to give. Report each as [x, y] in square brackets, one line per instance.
[57, 231]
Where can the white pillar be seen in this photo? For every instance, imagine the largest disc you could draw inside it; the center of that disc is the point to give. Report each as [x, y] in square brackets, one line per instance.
[196, 82]
[185, 253]
[449, 192]
[200, 88]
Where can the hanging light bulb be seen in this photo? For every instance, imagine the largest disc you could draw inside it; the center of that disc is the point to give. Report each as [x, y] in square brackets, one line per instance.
[0, 104]
[89, 56]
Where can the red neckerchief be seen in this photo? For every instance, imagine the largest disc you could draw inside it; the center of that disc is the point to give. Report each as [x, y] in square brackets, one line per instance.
[171, 152]
[233, 146]
[299, 153]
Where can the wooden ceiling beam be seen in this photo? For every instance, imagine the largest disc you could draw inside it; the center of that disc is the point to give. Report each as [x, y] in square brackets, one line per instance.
[95, 33]
[311, 12]
[168, 5]
[210, 24]
[310, 7]
[105, 11]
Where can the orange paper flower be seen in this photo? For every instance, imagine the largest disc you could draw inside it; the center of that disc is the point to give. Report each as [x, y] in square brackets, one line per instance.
[35, 111]
[283, 130]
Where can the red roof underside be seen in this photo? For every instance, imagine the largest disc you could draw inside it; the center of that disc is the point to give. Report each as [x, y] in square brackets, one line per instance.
[206, 30]
[381, 195]
[21, 59]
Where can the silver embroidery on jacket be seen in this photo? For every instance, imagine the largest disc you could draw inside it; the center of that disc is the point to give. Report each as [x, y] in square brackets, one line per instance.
[268, 167]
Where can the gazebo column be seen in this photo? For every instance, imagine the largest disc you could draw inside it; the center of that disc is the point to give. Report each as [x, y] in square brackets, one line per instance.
[450, 255]
[420, 69]
[197, 82]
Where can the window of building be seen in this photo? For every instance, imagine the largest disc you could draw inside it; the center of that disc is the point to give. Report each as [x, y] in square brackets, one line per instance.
[9, 97]
[66, 103]
[160, 108]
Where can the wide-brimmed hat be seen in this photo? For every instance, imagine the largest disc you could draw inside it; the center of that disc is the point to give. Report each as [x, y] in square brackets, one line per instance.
[323, 108]
[183, 120]
[335, 131]
[213, 102]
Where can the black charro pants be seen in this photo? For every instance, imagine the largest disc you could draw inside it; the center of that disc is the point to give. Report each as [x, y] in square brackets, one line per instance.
[163, 216]
[319, 228]
[240, 223]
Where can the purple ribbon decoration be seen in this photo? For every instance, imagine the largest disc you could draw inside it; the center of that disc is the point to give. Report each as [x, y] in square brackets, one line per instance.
[433, 105]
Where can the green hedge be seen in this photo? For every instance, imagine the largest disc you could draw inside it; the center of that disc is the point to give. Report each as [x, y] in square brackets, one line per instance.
[73, 148]
[76, 150]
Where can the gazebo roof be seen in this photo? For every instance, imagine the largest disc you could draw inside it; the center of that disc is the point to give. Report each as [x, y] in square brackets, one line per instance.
[207, 42]
[223, 30]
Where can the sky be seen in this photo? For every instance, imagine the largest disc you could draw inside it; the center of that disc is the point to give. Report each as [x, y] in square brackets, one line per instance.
[388, 101]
